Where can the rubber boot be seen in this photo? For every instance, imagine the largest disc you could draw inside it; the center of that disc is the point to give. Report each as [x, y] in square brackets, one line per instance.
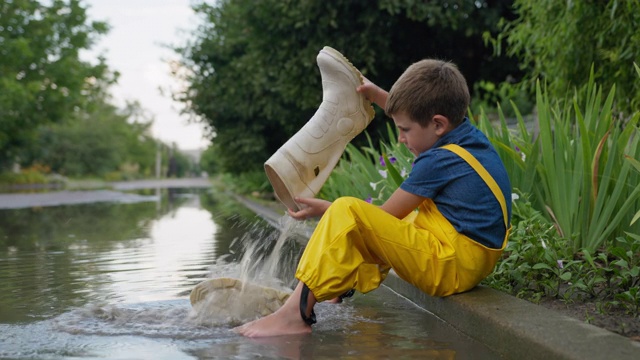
[303, 164]
[241, 299]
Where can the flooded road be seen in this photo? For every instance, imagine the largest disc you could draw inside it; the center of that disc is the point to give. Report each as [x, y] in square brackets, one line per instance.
[111, 280]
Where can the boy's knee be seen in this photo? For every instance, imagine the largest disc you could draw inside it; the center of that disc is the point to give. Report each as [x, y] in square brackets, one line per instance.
[345, 202]
[348, 207]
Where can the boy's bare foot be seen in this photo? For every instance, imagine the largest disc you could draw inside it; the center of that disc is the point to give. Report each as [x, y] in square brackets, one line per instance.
[285, 321]
[282, 322]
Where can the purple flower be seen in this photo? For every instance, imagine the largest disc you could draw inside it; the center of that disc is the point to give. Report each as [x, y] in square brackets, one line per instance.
[517, 149]
[369, 199]
[391, 160]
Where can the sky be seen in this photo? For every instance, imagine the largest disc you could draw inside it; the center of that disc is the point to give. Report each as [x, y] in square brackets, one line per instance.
[134, 47]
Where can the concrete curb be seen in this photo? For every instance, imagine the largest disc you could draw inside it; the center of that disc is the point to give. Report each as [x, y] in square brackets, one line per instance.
[513, 328]
[517, 329]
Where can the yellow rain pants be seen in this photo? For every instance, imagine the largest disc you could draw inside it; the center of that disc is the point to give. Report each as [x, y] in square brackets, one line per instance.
[356, 243]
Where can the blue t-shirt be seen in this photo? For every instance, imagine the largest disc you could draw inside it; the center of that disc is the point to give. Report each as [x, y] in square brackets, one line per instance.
[458, 191]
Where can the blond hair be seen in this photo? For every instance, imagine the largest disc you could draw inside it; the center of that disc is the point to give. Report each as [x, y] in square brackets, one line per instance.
[428, 88]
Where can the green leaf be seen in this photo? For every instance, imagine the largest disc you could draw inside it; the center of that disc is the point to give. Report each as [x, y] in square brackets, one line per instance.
[634, 236]
[622, 263]
[566, 276]
[393, 172]
[634, 162]
[539, 266]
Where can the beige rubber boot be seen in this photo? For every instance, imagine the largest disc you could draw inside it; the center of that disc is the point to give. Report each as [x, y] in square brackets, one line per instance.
[303, 164]
[236, 299]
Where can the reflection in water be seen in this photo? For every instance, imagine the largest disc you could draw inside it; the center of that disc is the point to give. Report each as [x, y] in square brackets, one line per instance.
[112, 281]
[63, 257]
[157, 267]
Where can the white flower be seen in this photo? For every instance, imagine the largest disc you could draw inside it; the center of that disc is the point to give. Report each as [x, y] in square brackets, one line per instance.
[383, 173]
[403, 173]
[523, 156]
[544, 245]
[373, 185]
[514, 196]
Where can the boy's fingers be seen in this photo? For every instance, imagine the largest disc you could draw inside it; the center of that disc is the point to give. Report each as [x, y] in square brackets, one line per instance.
[296, 215]
[304, 201]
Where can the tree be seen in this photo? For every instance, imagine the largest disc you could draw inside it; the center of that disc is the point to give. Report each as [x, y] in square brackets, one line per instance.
[209, 160]
[559, 41]
[105, 140]
[42, 79]
[251, 70]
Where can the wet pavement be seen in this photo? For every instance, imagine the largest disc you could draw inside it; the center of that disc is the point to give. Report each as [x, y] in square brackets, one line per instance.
[116, 194]
[111, 280]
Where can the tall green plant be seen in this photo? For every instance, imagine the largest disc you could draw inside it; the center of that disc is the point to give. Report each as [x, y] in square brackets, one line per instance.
[579, 167]
[585, 179]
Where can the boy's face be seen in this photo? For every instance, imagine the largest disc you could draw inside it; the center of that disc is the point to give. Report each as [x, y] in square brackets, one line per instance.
[417, 138]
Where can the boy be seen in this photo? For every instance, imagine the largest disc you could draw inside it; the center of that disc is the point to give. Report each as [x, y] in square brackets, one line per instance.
[458, 184]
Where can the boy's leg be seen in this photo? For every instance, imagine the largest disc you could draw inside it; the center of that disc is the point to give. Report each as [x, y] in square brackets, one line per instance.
[355, 243]
[353, 247]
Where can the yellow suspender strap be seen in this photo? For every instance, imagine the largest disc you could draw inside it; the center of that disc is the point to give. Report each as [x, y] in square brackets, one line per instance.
[484, 174]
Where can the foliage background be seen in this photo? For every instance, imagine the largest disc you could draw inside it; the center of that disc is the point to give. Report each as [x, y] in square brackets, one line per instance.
[559, 41]
[56, 114]
[252, 77]
[42, 80]
[251, 65]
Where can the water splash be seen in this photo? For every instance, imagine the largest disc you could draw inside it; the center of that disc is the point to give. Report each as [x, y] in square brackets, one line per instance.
[287, 224]
[160, 319]
[266, 257]
[266, 260]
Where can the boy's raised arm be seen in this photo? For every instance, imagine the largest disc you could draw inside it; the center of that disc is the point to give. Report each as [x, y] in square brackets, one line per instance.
[373, 93]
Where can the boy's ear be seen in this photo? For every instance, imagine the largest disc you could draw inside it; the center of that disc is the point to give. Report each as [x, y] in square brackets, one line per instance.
[442, 124]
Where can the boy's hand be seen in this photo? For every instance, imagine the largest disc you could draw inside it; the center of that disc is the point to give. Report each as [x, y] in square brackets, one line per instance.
[373, 93]
[311, 207]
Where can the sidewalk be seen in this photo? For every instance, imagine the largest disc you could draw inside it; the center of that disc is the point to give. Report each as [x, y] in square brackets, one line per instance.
[514, 328]
[91, 192]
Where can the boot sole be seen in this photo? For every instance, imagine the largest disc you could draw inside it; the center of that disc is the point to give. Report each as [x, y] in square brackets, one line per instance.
[366, 104]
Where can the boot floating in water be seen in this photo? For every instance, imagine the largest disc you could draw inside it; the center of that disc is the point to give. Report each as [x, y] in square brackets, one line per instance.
[235, 301]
